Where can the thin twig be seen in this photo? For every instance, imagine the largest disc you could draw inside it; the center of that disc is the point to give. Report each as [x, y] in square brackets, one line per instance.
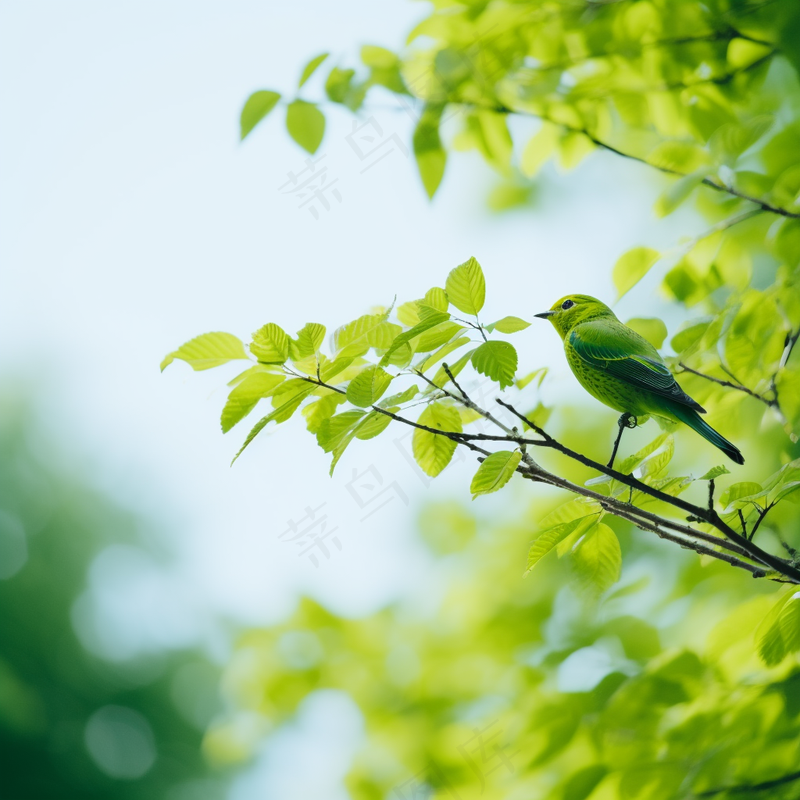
[753, 787]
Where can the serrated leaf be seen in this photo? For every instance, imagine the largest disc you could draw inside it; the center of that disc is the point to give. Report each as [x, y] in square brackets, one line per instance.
[311, 68]
[550, 537]
[466, 287]
[244, 397]
[598, 559]
[631, 462]
[789, 621]
[715, 472]
[655, 464]
[270, 344]
[496, 360]
[305, 124]
[309, 340]
[433, 451]
[632, 267]
[333, 430]
[435, 318]
[371, 330]
[508, 325]
[207, 351]
[436, 298]
[257, 106]
[368, 386]
[495, 472]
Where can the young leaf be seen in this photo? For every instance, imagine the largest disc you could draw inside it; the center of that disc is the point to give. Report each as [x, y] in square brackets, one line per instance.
[280, 414]
[550, 537]
[311, 68]
[434, 319]
[441, 377]
[496, 360]
[598, 559]
[442, 352]
[769, 636]
[433, 451]
[270, 344]
[309, 340]
[244, 397]
[257, 106]
[428, 151]
[632, 267]
[306, 124]
[436, 298]
[373, 424]
[333, 430]
[322, 409]
[466, 287]
[739, 494]
[207, 351]
[495, 472]
[337, 84]
[508, 325]
[715, 472]
[368, 386]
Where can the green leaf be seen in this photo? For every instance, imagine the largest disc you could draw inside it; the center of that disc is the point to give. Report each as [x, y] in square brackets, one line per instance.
[322, 409]
[686, 339]
[311, 67]
[678, 192]
[508, 325]
[280, 414]
[436, 298]
[496, 360]
[769, 636]
[632, 267]
[538, 375]
[714, 473]
[333, 430]
[495, 472]
[373, 424]
[377, 57]
[631, 462]
[400, 398]
[309, 340]
[466, 287]
[550, 537]
[435, 318]
[336, 433]
[598, 559]
[244, 397]
[739, 494]
[207, 351]
[428, 151]
[338, 83]
[433, 451]
[368, 386]
[306, 124]
[441, 377]
[654, 330]
[257, 106]
[442, 352]
[270, 344]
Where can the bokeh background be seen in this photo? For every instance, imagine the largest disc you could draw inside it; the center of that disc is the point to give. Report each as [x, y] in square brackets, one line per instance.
[131, 554]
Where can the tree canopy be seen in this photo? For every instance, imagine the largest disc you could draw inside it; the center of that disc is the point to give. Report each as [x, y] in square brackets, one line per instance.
[691, 699]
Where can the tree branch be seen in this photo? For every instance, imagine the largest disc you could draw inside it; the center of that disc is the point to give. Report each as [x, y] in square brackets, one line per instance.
[753, 787]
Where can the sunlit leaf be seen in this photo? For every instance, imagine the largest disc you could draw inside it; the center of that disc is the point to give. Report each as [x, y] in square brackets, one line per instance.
[496, 360]
[270, 344]
[207, 351]
[433, 451]
[508, 325]
[632, 267]
[598, 559]
[311, 68]
[258, 105]
[368, 386]
[466, 287]
[495, 472]
[306, 124]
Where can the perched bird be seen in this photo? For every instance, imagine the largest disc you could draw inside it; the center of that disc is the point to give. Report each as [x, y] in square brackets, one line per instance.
[623, 370]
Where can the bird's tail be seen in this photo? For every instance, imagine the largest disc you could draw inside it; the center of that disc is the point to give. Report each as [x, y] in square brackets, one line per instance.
[697, 423]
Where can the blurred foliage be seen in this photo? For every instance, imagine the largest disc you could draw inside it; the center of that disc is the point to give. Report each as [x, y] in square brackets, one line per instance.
[73, 725]
[684, 681]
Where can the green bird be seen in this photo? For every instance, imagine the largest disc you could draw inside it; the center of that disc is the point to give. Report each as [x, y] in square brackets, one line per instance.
[623, 370]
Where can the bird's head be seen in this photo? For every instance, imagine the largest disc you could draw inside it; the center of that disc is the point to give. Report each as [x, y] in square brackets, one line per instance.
[573, 309]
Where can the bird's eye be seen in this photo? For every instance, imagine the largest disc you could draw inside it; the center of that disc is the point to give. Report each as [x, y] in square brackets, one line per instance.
[567, 304]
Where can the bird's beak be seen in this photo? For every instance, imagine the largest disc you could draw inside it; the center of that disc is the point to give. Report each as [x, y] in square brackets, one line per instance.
[545, 314]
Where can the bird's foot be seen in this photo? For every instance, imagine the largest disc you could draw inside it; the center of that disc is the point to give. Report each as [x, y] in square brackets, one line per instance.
[627, 420]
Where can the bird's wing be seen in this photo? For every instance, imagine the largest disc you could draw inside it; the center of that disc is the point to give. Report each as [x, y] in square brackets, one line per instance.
[621, 352]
